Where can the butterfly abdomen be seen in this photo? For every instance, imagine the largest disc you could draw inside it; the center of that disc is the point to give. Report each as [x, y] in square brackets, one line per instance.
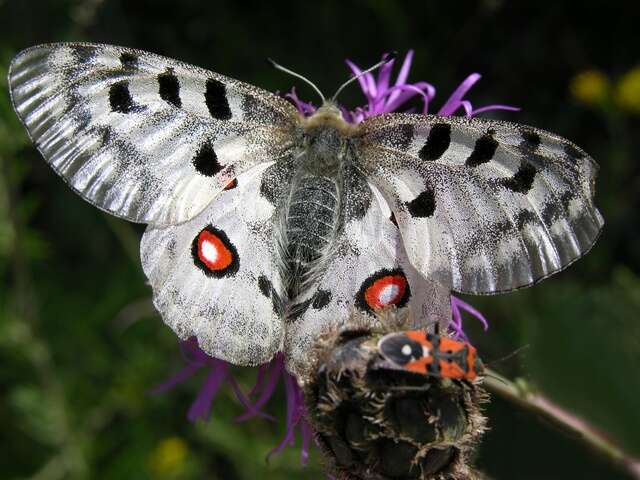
[310, 229]
[312, 215]
[312, 218]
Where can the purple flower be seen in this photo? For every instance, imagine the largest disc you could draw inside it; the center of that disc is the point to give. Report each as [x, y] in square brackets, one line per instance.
[383, 96]
[455, 324]
[269, 376]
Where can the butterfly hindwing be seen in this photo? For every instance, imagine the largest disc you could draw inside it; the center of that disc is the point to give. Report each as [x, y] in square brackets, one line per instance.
[142, 136]
[212, 276]
[368, 271]
[483, 206]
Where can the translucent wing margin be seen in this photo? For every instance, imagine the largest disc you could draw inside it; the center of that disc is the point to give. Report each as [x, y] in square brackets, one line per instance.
[483, 206]
[141, 136]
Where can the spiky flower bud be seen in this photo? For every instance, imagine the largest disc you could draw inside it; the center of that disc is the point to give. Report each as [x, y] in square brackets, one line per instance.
[377, 423]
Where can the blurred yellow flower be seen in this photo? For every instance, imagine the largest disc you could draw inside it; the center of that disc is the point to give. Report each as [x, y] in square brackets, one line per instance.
[168, 458]
[590, 87]
[627, 94]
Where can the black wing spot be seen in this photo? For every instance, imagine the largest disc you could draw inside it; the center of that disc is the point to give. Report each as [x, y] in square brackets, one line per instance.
[551, 212]
[392, 219]
[483, 151]
[522, 180]
[403, 137]
[169, 88]
[321, 299]
[525, 217]
[128, 61]
[106, 134]
[266, 288]
[437, 143]
[84, 53]
[120, 97]
[566, 198]
[423, 205]
[530, 140]
[206, 161]
[264, 284]
[275, 182]
[215, 96]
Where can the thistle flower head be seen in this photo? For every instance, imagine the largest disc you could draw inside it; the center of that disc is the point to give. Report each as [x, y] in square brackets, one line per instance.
[375, 422]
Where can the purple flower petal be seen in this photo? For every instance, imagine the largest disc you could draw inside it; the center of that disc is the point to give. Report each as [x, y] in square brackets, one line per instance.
[201, 407]
[276, 369]
[455, 325]
[454, 101]
[408, 91]
[252, 410]
[356, 71]
[381, 98]
[404, 70]
[306, 108]
[293, 414]
[384, 74]
[179, 377]
[465, 306]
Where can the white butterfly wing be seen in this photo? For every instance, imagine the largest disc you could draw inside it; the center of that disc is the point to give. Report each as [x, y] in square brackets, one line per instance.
[207, 275]
[369, 270]
[483, 206]
[141, 136]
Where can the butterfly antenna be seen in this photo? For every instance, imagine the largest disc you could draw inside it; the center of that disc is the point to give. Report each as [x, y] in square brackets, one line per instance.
[386, 59]
[277, 66]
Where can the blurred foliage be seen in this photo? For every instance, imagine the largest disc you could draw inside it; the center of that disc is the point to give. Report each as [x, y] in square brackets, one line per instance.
[80, 345]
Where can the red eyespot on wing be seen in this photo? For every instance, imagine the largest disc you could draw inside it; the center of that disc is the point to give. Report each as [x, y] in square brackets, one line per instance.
[386, 291]
[213, 253]
[232, 184]
[382, 289]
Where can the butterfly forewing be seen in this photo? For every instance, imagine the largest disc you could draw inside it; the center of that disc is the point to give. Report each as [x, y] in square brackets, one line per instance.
[483, 206]
[141, 136]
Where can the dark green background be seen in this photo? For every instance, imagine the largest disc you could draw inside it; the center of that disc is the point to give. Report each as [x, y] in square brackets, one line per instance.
[80, 345]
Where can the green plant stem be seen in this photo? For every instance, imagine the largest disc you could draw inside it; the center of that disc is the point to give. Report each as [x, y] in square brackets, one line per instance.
[521, 394]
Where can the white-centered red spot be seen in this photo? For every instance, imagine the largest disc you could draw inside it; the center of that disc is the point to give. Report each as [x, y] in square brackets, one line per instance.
[213, 252]
[385, 291]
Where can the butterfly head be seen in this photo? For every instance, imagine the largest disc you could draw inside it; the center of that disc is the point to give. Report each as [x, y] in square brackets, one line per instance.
[328, 116]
